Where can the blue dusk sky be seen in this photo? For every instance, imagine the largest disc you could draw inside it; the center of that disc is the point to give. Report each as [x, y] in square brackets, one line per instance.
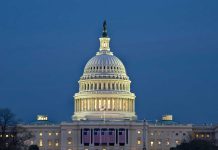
[169, 48]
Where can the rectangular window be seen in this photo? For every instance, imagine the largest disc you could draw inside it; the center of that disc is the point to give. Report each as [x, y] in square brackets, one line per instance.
[40, 143]
[56, 143]
[49, 142]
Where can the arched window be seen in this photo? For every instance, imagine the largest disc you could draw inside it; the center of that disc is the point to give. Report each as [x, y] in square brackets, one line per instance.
[88, 87]
[109, 86]
[112, 86]
[99, 87]
[95, 86]
[104, 86]
[120, 86]
[85, 86]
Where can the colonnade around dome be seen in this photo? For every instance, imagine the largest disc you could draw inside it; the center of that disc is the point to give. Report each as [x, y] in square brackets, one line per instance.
[104, 104]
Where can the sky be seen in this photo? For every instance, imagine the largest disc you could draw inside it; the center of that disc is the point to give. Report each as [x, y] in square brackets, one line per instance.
[169, 49]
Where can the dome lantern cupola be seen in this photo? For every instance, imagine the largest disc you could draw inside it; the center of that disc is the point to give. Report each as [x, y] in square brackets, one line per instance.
[104, 39]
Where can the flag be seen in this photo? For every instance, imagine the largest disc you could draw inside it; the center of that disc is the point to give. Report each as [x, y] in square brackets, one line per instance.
[104, 135]
[121, 136]
[86, 136]
[97, 136]
[111, 136]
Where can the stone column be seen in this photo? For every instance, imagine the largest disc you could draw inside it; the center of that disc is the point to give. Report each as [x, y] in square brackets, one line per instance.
[133, 105]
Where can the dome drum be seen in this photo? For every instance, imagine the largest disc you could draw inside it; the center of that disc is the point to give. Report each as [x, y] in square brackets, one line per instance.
[104, 85]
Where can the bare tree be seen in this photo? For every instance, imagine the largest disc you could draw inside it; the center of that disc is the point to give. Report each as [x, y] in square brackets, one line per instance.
[12, 136]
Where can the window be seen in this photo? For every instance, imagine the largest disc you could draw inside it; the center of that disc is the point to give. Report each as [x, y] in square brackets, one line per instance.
[138, 131]
[139, 142]
[69, 132]
[99, 86]
[56, 143]
[177, 142]
[49, 133]
[208, 135]
[159, 142]
[168, 143]
[69, 142]
[113, 86]
[40, 143]
[40, 134]
[49, 142]
[152, 143]
[56, 133]
[109, 86]
[152, 133]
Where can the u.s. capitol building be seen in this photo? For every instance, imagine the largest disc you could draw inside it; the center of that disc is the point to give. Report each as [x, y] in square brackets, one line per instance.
[104, 115]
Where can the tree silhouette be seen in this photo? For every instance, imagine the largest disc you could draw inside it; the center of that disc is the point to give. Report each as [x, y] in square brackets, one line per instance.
[33, 147]
[196, 145]
[12, 136]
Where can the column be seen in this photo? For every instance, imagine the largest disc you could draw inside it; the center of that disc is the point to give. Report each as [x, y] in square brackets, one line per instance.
[87, 103]
[122, 104]
[133, 105]
[128, 102]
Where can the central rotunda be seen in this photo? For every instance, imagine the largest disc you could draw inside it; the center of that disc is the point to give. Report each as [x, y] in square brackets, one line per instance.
[104, 88]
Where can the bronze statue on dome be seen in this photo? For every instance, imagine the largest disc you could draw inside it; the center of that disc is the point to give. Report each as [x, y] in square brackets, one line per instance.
[104, 34]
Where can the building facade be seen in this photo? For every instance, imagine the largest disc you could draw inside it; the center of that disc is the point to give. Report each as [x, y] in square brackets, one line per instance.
[104, 114]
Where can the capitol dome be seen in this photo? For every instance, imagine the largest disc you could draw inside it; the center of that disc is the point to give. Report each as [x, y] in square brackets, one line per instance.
[104, 88]
[104, 65]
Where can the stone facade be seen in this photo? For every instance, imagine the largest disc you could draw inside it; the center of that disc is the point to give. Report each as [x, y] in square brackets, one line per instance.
[104, 115]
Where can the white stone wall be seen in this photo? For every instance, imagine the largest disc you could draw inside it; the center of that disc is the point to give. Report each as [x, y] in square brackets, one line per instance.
[47, 137]
[157, 136]
[163, 137]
